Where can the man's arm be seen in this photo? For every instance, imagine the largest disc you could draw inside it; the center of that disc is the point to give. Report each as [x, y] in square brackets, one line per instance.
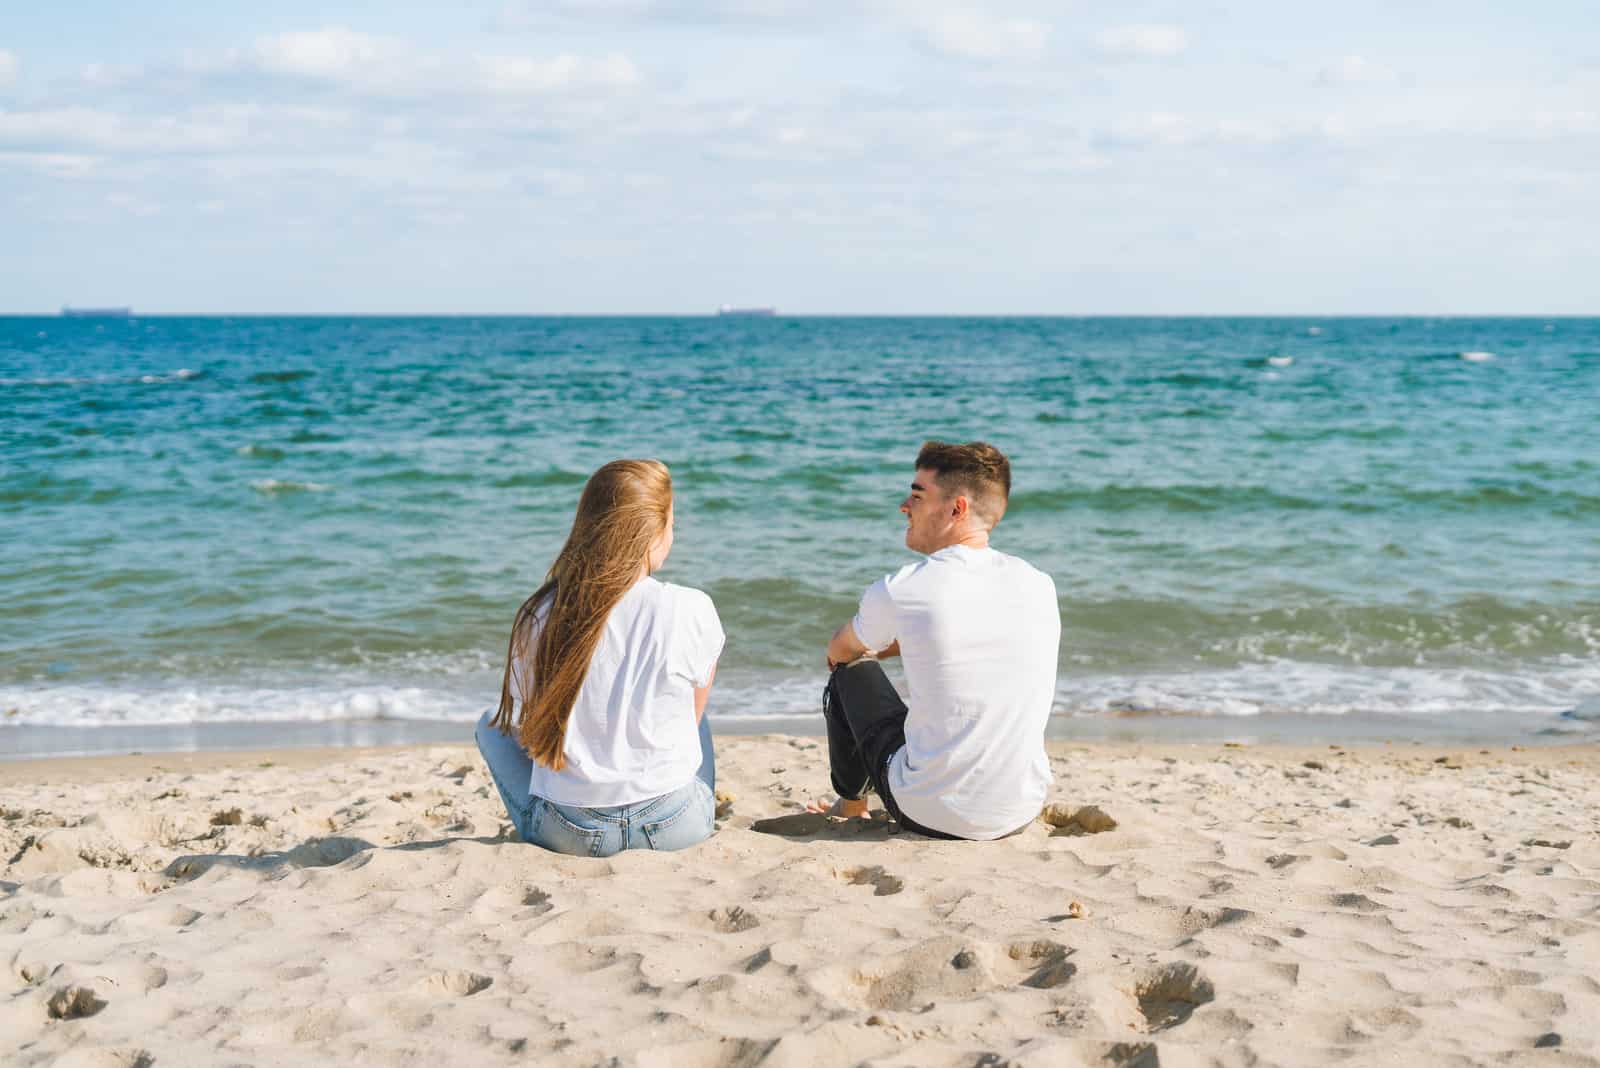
[846, 647]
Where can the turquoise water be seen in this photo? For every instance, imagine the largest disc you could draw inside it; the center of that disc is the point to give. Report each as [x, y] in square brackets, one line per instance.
[214, 520]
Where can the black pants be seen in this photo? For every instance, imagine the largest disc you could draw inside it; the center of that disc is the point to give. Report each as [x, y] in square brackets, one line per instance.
[866, 724]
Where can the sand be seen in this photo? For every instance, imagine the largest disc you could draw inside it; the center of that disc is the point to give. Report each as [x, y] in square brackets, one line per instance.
[1183, 905]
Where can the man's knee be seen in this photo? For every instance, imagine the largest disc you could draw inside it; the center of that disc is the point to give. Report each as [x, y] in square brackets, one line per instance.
[858, 681]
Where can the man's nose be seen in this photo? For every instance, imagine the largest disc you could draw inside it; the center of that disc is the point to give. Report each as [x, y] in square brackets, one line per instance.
[905, 506]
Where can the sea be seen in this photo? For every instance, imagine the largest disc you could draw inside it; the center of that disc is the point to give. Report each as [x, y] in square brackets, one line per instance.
[240, 531]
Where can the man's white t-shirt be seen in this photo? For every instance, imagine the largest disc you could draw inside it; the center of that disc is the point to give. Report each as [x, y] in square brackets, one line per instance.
[632, 734]
[979, 632]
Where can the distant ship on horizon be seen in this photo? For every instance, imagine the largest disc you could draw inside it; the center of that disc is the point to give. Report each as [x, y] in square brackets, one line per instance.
[748, 313]
[96, 313]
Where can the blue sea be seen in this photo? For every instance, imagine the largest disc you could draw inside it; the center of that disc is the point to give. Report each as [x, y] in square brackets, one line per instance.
[1368, 526]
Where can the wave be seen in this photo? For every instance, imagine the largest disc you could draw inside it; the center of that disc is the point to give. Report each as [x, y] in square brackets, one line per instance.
[1154, 634]
[182, 374]
[550, 476]
[1459, 697]
[273, 487]
[1177, 498]
[104, 705]
[263, 378]
[1353, 498]
[1550, 698]
[260, 452]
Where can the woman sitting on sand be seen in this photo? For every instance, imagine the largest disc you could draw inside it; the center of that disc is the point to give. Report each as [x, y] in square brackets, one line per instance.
[594, 746]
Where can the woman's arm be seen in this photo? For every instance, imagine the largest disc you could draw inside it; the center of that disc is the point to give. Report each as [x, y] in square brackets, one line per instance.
[702, 694]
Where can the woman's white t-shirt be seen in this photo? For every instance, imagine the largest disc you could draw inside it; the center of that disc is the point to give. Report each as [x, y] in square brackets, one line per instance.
[632, 734]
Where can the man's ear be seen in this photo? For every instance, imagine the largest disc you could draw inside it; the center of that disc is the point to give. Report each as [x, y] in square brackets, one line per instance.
[960, 508]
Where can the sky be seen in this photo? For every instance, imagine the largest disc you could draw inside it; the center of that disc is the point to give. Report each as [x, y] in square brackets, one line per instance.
[825, 157]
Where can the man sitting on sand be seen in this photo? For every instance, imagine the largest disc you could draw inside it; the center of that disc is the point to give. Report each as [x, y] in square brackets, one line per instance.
[978, 632]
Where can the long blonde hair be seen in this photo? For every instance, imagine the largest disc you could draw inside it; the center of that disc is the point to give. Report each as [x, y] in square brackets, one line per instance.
[625, 506]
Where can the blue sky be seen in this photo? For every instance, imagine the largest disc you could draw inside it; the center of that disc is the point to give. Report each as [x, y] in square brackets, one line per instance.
[880, 156]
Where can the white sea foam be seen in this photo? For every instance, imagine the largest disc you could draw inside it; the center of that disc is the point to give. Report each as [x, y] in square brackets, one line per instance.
[272, 486]
[1477, 357]
[1294, 688]
[109, 704]
[182, 374]
[1536, 698]
[1280, 361]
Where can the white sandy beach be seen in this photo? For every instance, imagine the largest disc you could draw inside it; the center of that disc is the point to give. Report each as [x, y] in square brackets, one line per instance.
[1250, 906]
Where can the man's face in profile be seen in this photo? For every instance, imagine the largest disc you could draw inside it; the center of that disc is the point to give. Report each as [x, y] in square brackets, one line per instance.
[928, 513]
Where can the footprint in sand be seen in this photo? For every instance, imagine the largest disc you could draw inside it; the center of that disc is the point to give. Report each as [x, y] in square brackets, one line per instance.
[1168, 995]
[109, 1058]
[325, 852]
[73, 1003]
[883, 884]
[458, 984]
[944, 970]
[1047, 961]
[733, 919]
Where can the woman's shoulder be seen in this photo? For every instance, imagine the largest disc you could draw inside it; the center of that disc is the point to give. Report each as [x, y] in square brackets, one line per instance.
[686, 595]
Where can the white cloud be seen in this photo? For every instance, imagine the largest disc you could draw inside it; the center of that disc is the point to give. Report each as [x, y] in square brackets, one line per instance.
[133, 204]
[334, 53]
[54, 164]
[1142, 41]
[52, 129]
[969, 33]
[521, 74]
[1354, 70]
[1169, 130]
[960, 28]
[364, 65]
[9, 66]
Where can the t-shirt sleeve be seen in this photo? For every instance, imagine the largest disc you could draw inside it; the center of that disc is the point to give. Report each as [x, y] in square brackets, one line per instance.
[699, 640]
[875, 623]
[522, 666]
[517, 679]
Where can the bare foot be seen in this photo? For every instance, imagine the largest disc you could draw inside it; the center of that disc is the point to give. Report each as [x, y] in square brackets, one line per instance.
[841, 808]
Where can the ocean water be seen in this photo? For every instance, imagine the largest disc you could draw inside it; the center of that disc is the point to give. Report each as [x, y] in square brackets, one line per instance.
[292, 520]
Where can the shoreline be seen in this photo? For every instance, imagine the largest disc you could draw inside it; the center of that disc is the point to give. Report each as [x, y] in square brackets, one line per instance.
[108, 766]
[31, 742]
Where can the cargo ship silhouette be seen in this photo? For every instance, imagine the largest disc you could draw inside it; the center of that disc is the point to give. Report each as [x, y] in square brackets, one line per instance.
[96, 313]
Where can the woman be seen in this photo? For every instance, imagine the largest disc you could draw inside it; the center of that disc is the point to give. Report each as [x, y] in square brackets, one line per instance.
[595, 747]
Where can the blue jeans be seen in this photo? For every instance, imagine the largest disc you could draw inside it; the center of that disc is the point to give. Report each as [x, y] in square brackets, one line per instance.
[677, 820]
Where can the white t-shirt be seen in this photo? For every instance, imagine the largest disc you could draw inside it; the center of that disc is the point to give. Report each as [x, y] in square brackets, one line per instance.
[632, 734]
[979, 632]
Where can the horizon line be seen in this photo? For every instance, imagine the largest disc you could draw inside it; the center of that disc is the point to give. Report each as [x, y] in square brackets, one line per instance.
[134, 314]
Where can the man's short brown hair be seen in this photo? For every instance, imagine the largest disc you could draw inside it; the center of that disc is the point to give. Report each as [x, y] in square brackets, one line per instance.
[976, 469]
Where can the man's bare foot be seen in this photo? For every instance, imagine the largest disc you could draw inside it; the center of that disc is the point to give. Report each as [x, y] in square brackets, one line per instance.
[843, 808]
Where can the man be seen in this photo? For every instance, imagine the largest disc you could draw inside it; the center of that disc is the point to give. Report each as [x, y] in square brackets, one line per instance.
[979, 632]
